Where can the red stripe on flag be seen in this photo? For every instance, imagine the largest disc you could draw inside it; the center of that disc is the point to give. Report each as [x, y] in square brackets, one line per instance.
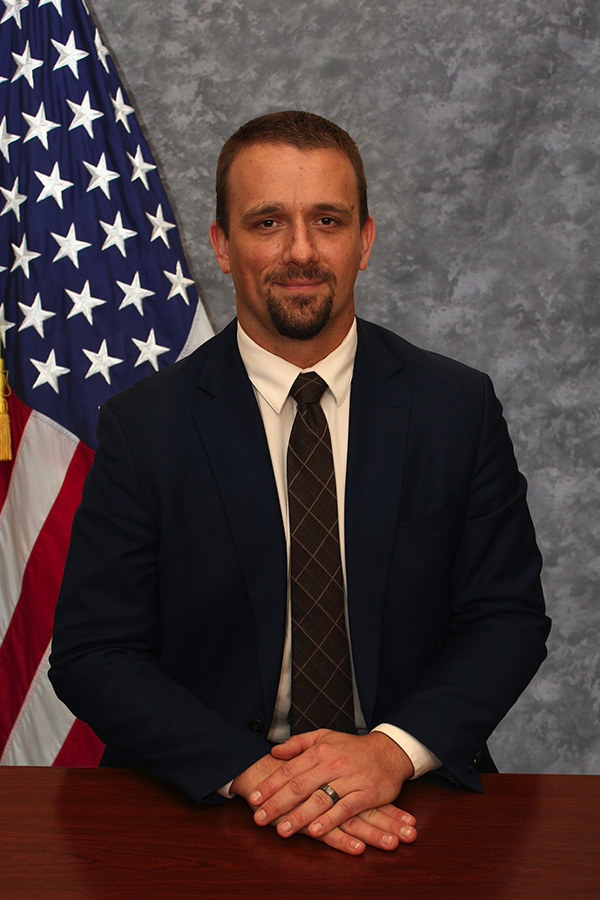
[81, 747]
[30, 628]
[19, 414]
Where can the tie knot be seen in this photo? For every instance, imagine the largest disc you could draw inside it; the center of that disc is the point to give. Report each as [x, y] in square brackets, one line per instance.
[308, 388]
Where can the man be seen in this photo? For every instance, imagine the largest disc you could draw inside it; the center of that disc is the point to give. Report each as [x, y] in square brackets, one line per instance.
[174, 638]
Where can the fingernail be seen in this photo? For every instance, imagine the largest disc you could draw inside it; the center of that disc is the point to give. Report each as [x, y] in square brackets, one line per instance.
[387, 839]
[408, 820]
[317, 828]
[255, 798]
[286, 827]
[356, 845]
[260, 816]
[406, 831]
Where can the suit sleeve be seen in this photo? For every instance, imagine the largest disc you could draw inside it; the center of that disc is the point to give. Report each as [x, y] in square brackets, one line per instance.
[105, 662]
[496, 629]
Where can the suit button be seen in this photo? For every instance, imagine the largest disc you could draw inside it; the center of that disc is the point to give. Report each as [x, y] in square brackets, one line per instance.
[472, 768]
[256, 725]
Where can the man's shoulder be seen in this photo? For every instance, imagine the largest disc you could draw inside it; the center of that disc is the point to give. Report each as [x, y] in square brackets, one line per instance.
[176, 380]
[416, 363]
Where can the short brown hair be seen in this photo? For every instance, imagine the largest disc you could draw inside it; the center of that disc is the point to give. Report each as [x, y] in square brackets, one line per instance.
[300, 129]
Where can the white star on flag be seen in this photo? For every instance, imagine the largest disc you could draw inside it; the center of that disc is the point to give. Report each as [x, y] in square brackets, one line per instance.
[13, 200]
[101, 175]
[54, 185]
[149, 350]
[160, 226]
[26, 65]
[84, 303]
[35, 316]
[101, 50]
[101, 362]
[23, 256]
[6, 139]
[49, 371]
[56, 3]
[13, 8]
[39, 126]
[69, 246]
[117, 234]
[4, 325]
[179, 283]
[140, 167]
[69, 55]
[134, 294]
[122, 110]
[84, 114]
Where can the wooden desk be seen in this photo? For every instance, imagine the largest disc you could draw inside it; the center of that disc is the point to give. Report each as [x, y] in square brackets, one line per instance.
[76, 834]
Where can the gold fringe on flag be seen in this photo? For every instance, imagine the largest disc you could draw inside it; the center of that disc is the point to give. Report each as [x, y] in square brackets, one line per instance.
[5, 442]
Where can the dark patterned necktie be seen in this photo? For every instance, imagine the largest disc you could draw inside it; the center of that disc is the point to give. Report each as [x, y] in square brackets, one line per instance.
[321, 678]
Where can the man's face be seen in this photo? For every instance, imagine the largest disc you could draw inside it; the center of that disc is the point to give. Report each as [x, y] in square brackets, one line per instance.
[295, 245]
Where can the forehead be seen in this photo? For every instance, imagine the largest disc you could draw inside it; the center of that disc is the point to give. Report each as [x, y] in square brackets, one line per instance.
[282, 173]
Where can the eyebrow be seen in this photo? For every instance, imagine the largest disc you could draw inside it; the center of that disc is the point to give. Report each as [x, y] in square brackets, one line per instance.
[267, 209]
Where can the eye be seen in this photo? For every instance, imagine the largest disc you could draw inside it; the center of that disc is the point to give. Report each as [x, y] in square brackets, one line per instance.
[266, 223]
[328, 220]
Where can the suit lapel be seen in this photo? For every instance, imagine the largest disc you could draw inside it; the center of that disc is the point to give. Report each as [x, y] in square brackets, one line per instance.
[379, 417]
[230, 427]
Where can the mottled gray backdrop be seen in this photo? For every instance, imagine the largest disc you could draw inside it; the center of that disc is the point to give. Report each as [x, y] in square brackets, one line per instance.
[479, 126]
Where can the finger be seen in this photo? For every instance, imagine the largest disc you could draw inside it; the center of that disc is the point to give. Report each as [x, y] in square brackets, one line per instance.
[403, 828]
[341, 840]
[395, 813]
[376, 836]
[291, 783]
[304, 814]
[388, 818]
[350, 805]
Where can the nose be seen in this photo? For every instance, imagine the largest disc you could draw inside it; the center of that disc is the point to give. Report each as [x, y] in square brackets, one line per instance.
[300, 247]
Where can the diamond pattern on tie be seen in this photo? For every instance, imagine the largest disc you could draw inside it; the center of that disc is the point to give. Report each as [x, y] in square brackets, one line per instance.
[321, 678]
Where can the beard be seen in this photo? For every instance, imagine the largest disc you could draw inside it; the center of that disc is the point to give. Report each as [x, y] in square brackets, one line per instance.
[301, 316]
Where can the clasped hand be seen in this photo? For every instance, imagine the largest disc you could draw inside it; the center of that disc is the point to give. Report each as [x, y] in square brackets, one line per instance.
[366, 771]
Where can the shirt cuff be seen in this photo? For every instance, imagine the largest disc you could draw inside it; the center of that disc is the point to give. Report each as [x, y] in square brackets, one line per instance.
[421, 757]
[226, 791]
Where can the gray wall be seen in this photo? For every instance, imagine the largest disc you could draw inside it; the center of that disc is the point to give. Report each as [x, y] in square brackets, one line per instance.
[479, 126]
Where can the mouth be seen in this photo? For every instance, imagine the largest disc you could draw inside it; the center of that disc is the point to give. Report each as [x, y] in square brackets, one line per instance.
[298, 286]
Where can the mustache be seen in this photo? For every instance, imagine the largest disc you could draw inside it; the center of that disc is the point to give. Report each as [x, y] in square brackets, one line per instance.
[299, 274]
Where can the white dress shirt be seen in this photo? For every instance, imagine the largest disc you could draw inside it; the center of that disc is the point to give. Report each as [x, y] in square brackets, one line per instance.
[272, 377]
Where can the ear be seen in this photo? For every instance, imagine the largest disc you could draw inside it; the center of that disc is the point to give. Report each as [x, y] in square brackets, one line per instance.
[367, 236]
[220, 245]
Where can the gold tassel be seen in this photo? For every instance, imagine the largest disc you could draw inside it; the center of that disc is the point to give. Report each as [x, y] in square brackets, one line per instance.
[5, 442]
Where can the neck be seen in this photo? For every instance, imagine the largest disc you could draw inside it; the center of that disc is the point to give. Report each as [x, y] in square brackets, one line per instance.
[301, 353]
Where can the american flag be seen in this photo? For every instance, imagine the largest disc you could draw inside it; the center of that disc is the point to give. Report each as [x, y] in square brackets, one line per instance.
[94, 294]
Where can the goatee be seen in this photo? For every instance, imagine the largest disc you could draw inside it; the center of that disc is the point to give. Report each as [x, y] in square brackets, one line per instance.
[301, 316]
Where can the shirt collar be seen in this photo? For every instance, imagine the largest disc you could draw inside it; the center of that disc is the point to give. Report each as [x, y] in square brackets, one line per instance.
[273, 376]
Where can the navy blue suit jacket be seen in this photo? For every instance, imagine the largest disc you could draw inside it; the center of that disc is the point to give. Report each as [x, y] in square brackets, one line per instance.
[170, 625]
